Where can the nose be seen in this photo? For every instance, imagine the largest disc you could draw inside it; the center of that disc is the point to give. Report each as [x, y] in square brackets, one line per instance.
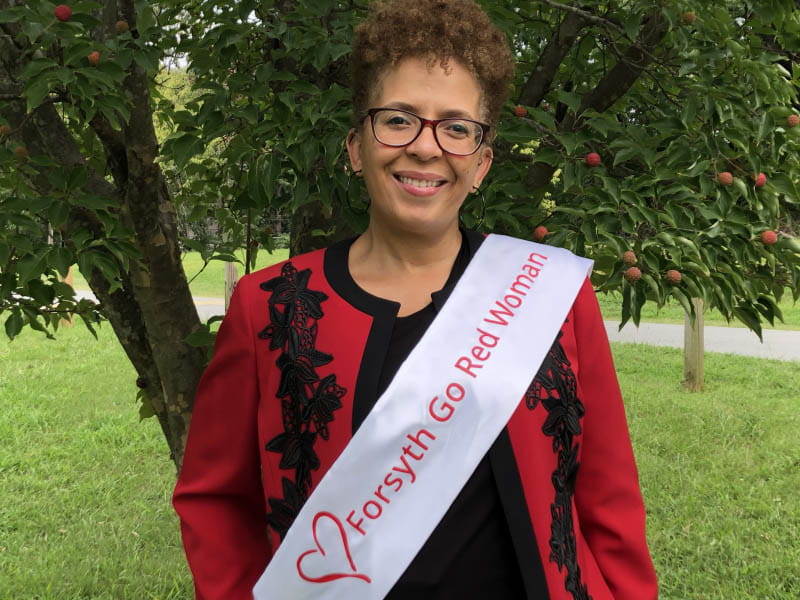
[425, 147]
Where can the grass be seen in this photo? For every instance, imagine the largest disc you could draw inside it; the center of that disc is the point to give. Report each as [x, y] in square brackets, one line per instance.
[85, 486]
[719, 471]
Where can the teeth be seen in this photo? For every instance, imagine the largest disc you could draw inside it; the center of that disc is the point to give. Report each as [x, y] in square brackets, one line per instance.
[423, 183]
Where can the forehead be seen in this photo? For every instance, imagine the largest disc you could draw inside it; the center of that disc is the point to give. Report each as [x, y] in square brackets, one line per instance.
[426, 87]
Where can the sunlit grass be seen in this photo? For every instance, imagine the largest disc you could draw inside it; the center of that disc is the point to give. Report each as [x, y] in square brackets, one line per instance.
[86, 486]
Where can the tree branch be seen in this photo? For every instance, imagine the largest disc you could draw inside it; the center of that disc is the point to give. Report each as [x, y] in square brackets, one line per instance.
[557, 48]
[611, 88]
[584, 15]
[624, 74]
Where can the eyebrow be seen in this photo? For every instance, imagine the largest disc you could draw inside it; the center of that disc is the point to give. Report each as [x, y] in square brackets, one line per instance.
[448, 114]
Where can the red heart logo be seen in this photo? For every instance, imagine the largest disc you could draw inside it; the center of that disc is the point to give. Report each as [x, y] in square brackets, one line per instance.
[320, 563]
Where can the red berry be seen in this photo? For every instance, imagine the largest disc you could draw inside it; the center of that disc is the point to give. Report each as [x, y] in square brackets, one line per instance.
[761, 180]
[546, 107]
[592, 159]
[121, 27]
[21, 152]
[94, 58]
[768, 238]
[689, 17]
[629, 257]
[520, 111]
[254, 243]
[540, 233]
[792, 120]
[5, 130]
[633, 274]
[725, 178]
[63, 12]
[673, 276]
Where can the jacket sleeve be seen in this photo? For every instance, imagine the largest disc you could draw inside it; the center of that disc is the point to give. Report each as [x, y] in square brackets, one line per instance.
[219, 496]
[607, 495]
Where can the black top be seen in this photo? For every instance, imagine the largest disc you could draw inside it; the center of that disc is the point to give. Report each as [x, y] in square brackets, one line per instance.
[470, 554]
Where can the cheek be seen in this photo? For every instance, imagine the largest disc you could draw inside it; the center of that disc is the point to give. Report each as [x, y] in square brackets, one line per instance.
[466, 167]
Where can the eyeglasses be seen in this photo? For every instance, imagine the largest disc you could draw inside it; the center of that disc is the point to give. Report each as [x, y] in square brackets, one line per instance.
[397, 128]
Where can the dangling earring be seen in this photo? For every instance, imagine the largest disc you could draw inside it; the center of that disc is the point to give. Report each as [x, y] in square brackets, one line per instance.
[479, 191]
[361, 211]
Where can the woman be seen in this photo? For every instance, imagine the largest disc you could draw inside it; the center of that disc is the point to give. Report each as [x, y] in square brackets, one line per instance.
[552, 510]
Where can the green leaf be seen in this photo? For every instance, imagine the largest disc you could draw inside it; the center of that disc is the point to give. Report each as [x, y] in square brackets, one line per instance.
[683, 299]
[226, 258]
[145, 406]
[13, 15]
[631, 25]
[36, 92]
[14, 324]
[32, 266]
[627, 297]
[749, 317]
[5, 253]
[571, 100]
[61, 259]
[182, 147]
[36, 67]
[548, 155]
[200, 338]
[77, 178]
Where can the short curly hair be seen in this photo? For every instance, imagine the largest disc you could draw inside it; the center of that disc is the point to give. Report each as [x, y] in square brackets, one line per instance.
[440, 30]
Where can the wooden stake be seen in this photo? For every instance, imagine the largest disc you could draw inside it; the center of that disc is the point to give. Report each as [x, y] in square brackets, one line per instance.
[69, 281]
[231, 277]
[693, 348]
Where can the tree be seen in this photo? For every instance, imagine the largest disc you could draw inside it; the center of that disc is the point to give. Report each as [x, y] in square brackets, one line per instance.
[628, 115]
[89, 171]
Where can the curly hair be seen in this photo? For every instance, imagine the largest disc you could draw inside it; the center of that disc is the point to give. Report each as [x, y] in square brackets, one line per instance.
[441, 30]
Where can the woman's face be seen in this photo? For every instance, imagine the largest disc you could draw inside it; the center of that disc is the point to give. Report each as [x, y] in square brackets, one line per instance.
[419, 188]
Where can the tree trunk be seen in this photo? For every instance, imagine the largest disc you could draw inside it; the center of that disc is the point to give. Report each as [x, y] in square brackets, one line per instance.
[693, 348]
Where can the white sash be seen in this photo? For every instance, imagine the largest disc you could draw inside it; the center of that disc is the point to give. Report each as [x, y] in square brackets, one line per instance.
[448, 402]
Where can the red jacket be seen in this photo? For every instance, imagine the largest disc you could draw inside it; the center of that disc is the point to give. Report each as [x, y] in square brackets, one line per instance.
[300, 344]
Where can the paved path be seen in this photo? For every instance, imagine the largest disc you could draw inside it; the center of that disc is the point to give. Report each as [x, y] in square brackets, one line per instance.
[780, 344]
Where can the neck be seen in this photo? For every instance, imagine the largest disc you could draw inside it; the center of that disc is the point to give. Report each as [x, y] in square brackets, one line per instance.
[399, 252]
[403, 268]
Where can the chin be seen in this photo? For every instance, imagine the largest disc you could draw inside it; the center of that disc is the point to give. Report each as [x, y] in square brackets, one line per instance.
[420, 224]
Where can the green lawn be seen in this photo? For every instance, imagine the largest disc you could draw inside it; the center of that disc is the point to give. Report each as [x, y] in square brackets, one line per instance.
[85, 487]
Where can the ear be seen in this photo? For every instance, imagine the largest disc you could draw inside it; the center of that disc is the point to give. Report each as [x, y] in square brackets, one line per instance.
[484, 162]
[353, 143]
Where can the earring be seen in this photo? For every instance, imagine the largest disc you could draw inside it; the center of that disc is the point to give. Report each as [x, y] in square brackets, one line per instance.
[479, 191]
[361, 211]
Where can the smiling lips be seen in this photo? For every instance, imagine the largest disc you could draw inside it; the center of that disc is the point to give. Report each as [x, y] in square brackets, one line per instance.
[419, 187]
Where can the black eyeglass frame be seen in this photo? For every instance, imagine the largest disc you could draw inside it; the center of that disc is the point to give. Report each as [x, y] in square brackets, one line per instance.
[371, 112]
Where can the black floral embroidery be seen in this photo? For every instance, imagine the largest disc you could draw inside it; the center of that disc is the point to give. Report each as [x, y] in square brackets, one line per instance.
[308, 402]
[556, 388]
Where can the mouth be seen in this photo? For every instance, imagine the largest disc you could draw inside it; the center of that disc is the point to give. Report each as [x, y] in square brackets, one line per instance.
[420, 183]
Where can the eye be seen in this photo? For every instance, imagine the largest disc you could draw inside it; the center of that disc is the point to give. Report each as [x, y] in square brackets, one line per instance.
[395, 119]
[458, 129]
